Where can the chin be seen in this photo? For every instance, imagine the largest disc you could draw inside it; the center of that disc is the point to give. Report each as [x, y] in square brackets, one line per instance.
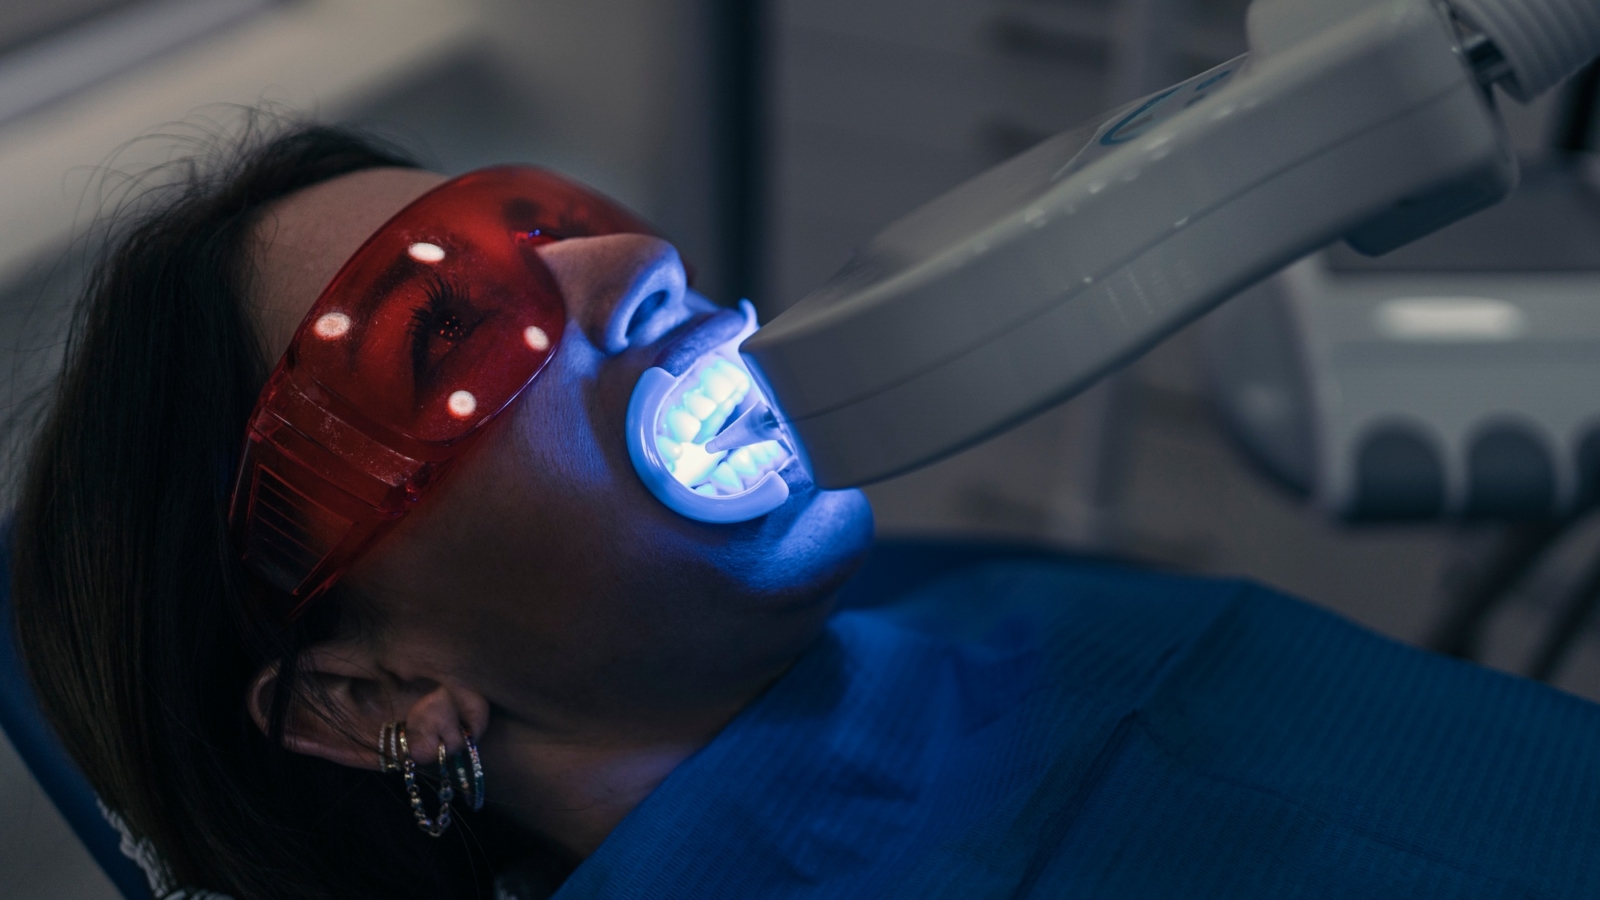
[812, 545]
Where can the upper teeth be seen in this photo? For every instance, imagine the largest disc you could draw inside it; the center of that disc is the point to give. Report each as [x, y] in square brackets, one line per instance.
[696, 418]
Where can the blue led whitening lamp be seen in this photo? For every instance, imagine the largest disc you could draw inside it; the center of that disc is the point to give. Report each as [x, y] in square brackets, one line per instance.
[1368, 120]
[704, 443]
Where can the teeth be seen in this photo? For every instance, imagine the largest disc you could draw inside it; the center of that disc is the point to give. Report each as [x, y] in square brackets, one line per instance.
[713, 425]
[694, 463]
[725, 477]
[682, 425]
[717, 386]
[699, 405]
[744, 462]
[695, 418]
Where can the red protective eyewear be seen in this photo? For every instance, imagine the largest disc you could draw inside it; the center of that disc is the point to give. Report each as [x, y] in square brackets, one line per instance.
[441, 319]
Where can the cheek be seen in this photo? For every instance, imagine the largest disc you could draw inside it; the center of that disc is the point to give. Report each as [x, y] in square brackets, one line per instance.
[556, 446]
[563, 444]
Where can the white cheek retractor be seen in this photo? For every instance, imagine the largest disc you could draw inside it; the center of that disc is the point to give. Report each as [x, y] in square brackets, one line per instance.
[705, 442]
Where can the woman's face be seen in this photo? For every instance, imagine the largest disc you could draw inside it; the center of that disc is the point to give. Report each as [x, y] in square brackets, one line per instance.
[542, 563]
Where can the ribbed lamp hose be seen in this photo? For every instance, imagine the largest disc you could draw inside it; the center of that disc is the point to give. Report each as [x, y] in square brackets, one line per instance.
[1543, 41]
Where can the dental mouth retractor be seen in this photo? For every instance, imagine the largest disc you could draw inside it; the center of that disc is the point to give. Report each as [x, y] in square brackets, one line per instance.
[705, 442]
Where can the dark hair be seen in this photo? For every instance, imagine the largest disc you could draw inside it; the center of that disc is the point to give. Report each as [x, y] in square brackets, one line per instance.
[132, 610]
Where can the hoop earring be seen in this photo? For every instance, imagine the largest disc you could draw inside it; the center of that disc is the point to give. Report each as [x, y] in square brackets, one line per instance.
[435, 826]
[471, 782]
[389, 747]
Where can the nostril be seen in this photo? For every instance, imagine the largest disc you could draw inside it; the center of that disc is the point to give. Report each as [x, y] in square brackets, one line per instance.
[644, 312]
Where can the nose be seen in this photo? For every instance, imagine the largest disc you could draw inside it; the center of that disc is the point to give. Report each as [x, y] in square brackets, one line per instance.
[621, 289]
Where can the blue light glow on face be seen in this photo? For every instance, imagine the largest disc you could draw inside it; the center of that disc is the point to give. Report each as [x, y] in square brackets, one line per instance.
[671, 419]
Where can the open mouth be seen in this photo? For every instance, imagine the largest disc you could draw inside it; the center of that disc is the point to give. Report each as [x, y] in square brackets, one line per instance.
[706, 443]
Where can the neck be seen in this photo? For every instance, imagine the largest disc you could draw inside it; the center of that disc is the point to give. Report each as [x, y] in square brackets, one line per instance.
[571, 769]
[574, 787]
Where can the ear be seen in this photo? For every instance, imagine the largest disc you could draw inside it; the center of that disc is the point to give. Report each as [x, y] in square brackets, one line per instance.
[345, 698]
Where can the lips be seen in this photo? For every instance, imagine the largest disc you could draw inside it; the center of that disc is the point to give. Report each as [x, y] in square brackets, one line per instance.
[697, 337]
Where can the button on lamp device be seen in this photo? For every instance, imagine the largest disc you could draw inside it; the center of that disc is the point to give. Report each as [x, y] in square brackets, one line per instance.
[1369, 120]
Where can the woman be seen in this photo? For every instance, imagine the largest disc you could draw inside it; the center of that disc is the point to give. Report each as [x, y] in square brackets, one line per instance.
[668, 628]
[664, 707]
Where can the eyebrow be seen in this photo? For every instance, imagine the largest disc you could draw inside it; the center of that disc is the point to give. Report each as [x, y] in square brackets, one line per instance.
[396, 274]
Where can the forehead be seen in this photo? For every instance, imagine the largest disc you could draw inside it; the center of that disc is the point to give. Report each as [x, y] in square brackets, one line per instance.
[301, 241]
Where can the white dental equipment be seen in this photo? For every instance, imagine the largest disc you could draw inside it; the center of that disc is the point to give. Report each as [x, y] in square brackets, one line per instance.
[1369, 120]
[1452, 379]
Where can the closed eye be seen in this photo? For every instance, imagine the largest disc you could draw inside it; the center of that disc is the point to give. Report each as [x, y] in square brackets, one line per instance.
[444, 318]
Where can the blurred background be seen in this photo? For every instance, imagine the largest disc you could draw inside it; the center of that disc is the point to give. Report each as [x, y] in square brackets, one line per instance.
[768, 138]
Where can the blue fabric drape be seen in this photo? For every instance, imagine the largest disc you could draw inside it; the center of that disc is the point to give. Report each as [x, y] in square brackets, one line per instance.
[1037, 730]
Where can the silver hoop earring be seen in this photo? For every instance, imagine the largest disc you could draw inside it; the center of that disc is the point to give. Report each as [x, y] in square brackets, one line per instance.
[469, 774]
[389, 747]
[437, 824]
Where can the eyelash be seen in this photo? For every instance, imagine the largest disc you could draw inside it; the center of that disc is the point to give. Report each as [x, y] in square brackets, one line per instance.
[441, 315]
[440, 311]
